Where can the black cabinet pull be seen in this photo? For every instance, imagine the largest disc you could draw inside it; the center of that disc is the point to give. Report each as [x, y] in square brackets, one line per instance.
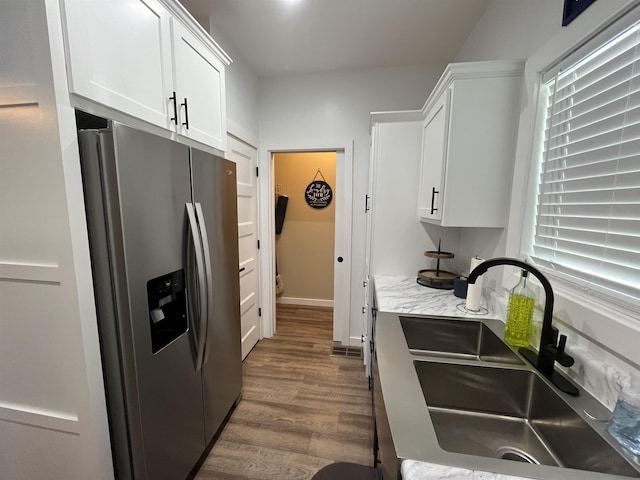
[366, 203]
[242, 270]
[174, 119]
[433, 199]
[186, 114]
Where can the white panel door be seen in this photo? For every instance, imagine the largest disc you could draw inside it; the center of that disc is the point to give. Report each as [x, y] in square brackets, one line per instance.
[119, 55]
[342, 331]
[246, 157]
[200, 89]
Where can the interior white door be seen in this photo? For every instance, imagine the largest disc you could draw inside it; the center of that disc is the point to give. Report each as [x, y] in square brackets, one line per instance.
[342, 252]
[245, 156]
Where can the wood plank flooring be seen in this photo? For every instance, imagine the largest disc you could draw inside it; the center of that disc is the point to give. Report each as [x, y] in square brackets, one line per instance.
[301, 408]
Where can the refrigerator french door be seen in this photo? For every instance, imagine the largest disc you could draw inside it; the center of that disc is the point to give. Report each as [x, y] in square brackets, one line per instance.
[162, 221]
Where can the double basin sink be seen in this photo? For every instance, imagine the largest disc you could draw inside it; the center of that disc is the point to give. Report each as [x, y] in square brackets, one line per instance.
[485, 400]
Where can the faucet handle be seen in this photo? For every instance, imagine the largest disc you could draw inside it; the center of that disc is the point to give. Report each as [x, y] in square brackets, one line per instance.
[561, 357]
[561, 345]
[555, 351]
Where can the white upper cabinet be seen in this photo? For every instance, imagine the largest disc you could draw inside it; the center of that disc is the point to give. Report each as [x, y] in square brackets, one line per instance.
[119, 55]
[148, 59]
[200, 89]
[468, 145]
[434, 134]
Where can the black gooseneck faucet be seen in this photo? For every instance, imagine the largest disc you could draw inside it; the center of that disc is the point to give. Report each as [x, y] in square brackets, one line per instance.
[550, 350]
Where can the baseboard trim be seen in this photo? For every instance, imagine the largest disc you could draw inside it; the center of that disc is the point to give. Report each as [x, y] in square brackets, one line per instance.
[309, 302]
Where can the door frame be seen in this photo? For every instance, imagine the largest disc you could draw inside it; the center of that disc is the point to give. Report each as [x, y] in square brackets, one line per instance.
[342, 239]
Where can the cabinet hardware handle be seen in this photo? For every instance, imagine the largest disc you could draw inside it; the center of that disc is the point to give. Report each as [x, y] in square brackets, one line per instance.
[242, 269]
[174, 119]
[433, 198]
[186, 114]
[366, 203]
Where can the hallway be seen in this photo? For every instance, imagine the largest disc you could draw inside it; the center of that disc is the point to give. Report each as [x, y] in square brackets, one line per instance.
[301, 407]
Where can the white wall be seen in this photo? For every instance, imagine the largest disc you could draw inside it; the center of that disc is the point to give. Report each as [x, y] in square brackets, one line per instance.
[534, 31]
[242, 92]
[313, 108]
[508, 30]
[512, 29]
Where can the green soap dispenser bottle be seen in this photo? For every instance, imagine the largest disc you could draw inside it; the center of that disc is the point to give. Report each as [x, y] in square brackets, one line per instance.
[520, 313]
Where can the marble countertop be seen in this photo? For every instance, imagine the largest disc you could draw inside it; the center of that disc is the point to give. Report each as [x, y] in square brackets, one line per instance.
[399, 294]
[413, 470]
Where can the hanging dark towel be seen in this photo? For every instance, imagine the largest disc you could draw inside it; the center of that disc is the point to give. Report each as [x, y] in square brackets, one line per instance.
[281, 210]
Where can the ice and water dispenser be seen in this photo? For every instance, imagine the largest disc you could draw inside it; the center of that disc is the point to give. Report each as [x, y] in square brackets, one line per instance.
[167, 308]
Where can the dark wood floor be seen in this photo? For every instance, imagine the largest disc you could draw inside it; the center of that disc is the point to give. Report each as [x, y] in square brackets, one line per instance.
[301, 408]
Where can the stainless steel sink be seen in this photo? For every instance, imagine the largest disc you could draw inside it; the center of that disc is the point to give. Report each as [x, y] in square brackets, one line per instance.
[464, 339]
[511, 414]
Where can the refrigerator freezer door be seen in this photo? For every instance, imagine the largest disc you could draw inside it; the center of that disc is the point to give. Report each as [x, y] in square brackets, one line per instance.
[145, 213]
[214, 187]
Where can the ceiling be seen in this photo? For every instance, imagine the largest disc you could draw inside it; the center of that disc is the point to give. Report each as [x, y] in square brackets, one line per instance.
[282, 37]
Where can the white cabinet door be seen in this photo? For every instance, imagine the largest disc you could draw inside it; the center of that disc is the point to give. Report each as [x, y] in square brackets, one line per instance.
[434, 151]
[119, 55]
[200, 87]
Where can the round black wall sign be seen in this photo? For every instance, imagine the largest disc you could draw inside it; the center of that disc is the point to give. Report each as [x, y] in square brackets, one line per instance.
[318, 194]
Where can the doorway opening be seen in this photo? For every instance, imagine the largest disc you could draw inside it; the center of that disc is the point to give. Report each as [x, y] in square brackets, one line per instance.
[340, 259]
[305, 227]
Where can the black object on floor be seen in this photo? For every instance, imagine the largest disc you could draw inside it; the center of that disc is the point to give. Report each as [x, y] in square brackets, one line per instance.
[347, 471]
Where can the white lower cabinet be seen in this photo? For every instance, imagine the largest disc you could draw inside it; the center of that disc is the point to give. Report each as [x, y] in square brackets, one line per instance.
[144, 58]
[468, 145]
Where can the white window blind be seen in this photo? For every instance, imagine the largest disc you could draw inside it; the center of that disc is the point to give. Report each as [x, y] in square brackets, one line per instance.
[587, 226]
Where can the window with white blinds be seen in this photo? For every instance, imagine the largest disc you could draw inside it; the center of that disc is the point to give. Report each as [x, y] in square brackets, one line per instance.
[587, 226]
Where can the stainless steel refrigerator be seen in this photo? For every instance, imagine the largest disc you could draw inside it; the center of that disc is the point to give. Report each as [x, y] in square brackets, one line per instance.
[163, 232]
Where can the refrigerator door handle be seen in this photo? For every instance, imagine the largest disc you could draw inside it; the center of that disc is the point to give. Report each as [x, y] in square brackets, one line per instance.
[208, 271]
[203, 313]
